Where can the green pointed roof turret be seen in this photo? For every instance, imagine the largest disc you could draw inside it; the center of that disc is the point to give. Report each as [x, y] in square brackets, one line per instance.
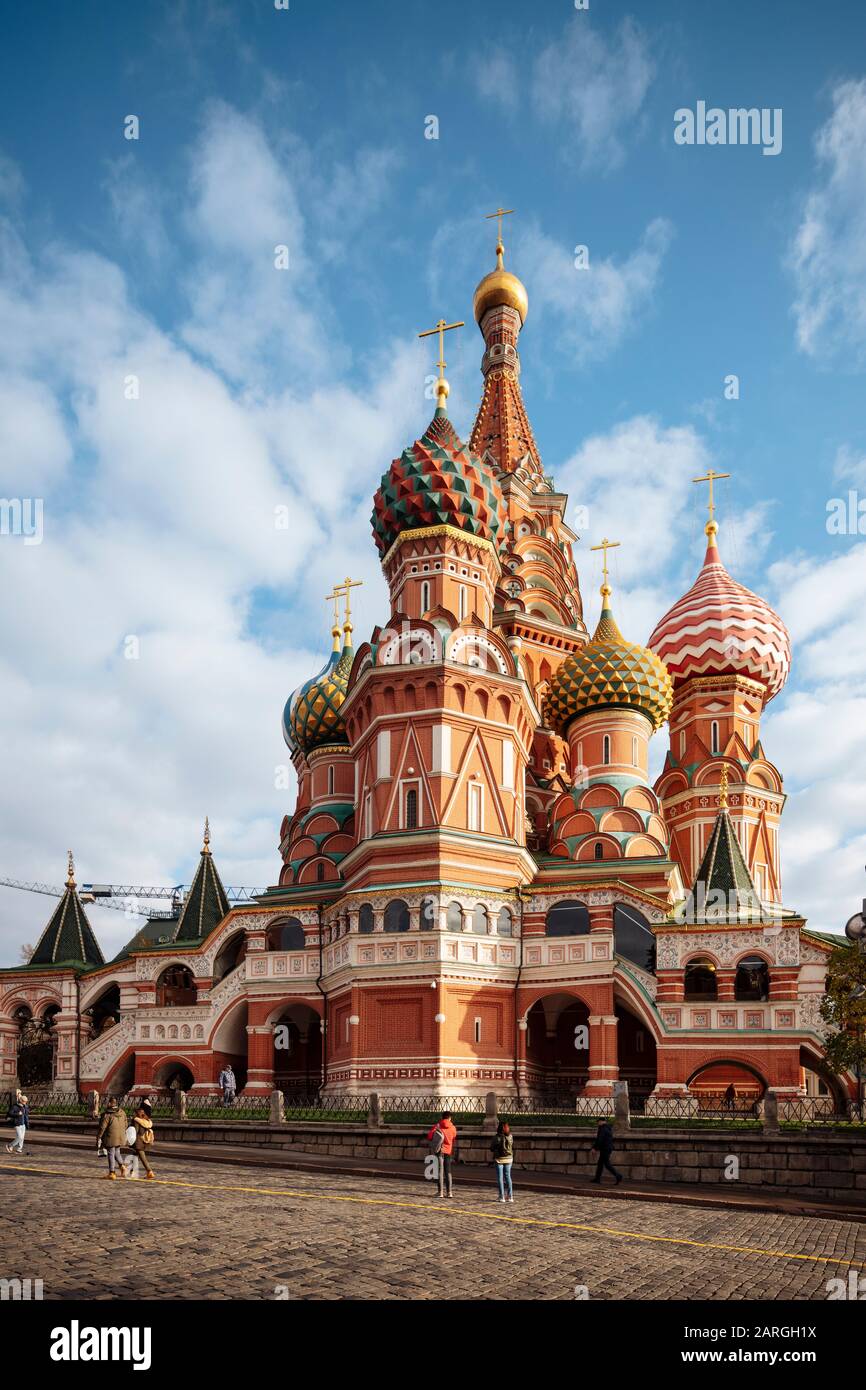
[68, 938]
[206, 902]
[723, 869]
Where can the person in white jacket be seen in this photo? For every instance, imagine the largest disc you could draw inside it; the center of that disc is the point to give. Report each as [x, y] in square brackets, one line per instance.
[228, 1082]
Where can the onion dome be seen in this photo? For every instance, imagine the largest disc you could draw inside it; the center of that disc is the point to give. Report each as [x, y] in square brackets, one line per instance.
[609, 673]
[439, 481]
[721, 628]
[312, 717]
[500, 288]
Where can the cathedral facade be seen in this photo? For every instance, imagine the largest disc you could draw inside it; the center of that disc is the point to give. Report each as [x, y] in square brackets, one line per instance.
[480, 889]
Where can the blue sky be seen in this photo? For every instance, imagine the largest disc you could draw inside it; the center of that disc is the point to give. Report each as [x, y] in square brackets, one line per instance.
[259, 388]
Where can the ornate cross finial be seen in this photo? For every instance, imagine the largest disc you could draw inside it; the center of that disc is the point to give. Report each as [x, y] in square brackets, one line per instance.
[710, 477]
[346, 590]
[205, 849]
[606, 545]
[723, 788]
[442, 387]
[500, 213]
[70, 866]
[335, 630]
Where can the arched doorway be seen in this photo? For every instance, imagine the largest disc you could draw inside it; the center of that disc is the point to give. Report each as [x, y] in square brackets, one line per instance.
[822, 1085]
[230, 957]
[557, 1048]
[636, 1052]
[230, 1042]
[298, 1050]
[173, 1075]
[175, 987]
[37, 1043]
[735, 1085]
[104, 1012]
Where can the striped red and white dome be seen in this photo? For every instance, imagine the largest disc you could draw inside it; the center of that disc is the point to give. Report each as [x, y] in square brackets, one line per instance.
[720, 627]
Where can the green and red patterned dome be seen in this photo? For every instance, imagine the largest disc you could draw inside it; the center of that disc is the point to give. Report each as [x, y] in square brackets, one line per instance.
[438, 481]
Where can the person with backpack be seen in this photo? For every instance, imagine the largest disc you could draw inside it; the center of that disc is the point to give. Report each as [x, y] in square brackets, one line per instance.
[603, 1142]
[143, 1126]
[442, 1139]
[112, 1135]
[19, 1118]
[502, 1149]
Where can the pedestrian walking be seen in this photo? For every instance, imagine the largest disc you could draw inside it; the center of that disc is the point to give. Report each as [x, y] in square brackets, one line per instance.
[603, 1142]
[444, 1148]
[19, 1118]
[229, 1084]
[502, 1149]
[143, 1126]
[112, 1136]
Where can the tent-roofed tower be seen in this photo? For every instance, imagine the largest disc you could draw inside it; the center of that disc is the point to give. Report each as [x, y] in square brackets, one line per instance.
[68, 938]
[539, 609]
[206, 903]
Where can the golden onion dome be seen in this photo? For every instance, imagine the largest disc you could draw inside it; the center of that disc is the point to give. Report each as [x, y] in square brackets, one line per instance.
[500, 287]
[609, 673]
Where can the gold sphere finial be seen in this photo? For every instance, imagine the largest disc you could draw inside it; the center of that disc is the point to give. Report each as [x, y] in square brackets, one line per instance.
[70, 869]
[205, 849]
[723, 788]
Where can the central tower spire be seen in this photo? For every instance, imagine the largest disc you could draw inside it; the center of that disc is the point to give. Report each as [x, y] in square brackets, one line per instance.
[502, 433]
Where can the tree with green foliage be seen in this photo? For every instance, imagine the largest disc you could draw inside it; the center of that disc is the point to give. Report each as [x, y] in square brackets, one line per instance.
[843, 1010]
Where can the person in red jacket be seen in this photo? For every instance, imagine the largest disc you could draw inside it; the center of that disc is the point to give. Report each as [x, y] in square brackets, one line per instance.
[443, 1139]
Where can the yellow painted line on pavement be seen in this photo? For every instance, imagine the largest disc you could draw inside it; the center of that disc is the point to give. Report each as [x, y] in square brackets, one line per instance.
[446, 1210]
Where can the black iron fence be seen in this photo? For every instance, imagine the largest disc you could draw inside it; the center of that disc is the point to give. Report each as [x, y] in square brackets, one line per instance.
[47, 1103]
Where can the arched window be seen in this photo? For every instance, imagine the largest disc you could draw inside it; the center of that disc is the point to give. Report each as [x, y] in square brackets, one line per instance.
[634, 750]
[428, 914]
[505, 922]
[175, 987]
[599, 850]
[286, 936]
[331, 780]
[461, 612]
[752, 980]
[365, 919]
[714, 736]
[396, 916]
[411, 809]
[567, 919]
[320, 873]
[700, 980]
[425, 596]
[479, 919]
[454, 918]
[605, 750]
[632, 937]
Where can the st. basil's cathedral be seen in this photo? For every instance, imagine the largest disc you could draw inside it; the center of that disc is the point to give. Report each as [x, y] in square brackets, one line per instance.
[480, 889]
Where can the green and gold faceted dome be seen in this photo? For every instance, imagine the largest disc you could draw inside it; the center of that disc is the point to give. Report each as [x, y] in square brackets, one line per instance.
[313, 715]
[439, 481]
[609, 673]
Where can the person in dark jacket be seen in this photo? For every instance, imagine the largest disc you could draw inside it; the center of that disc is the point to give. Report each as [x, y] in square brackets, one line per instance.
[112, 1136]
[19, 1118]
[603, 1142]
[502, 1149]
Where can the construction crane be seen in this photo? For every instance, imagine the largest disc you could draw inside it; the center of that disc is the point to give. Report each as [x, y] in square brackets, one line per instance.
[118, 895]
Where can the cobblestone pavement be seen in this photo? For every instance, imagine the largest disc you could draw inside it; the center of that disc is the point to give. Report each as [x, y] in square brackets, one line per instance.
[215, 1231]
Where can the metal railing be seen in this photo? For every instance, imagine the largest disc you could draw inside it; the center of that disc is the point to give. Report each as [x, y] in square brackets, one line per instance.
[695, 1109]
[426, 1110]
[821, 1111]
[334, 1108]
[566, 1109]
[46, 1103]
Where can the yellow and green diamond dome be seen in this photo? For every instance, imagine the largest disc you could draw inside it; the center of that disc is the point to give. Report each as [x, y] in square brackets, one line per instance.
[609, 673]
[313, 716]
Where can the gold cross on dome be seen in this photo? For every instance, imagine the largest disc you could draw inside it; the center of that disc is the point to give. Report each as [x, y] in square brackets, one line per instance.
[500, 213]
[441, 328]
[606, 545]
[711, 477]
[346, 590]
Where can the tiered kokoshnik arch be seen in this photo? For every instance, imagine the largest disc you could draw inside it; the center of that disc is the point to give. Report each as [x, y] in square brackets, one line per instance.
[477, 875]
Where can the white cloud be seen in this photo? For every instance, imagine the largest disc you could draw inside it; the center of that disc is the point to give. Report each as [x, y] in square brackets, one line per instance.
[160, 525]
[592, 310]
[828, 252]
[591, 90]
[498, 78]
